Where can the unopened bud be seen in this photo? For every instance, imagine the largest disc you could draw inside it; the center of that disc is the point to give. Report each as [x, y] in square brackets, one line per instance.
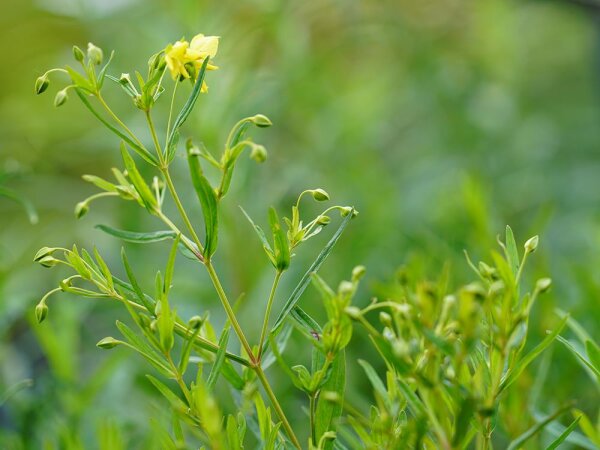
[345, 210]
[95, 54]
[385, 319]
[78, 54]
[107, 343]
[354, 312]
[261, 121]
[258, 153]
[319, 195]
[195, 322]
[346, 288]
[65, 284]
[81, 209]
[41, 84]
[543, 284]
[532, 244]
[323, 220]
[61, 97]
[42, 252]
[358, 272]
[48, 261]
[41, 311]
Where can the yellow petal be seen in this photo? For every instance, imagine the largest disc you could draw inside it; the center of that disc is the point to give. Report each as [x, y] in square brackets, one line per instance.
[205, 45]
[204, 88]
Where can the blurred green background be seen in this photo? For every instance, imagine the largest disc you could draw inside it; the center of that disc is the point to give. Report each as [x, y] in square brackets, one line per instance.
[441, 121]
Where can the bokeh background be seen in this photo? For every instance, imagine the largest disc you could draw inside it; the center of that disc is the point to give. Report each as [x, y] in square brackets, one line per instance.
[440, 121]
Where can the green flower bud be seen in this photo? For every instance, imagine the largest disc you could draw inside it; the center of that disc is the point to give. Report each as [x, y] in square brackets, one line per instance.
[41, 84]
[354, 312]
[81, 209]
[78, 54]
[65, 284]
[532, 244]
[261, 121]
[48, 261]
[42, 252]
[345, 210]
[543, 284]
[41, 311]
[346, 288]
[95, 54]
[107, 343]
[195, 322]
[323, 220]
[385, 319]
[258, 153]
[319, 195]
[358, 272]
[61, 97]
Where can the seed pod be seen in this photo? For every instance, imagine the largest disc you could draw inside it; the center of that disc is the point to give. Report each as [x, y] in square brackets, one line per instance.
[81, 209]
[107, 343]
[261, 121]
[258, 153]
[78, 54]
[61, 97]
[531, 244]
[41, 311]
[319, 195]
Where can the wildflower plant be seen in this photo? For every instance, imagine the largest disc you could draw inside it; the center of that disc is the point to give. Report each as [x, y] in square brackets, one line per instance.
[450, 356]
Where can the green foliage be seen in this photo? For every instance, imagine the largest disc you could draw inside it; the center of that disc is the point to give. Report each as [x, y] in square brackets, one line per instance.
[444, 361]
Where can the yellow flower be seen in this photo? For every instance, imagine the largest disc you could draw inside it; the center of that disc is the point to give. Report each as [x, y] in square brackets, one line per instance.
[184, 58]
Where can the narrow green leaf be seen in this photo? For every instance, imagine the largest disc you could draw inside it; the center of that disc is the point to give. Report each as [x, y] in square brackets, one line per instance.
[208, 201]
[171, 266]
[306, 324]
[328, 412]
[522, 364]
[581, 358]
[535, 429]
[135, 287]
[512, 254]
[280, 242]
[219, 360]
[468, 408]
[305, 280]
[564, 435]
[173, 398]
[376, 382]
[141, 151]
[185, 111]
[261, 235]
[593, 353]
[138, 181]
[151, 355]
[138, 237]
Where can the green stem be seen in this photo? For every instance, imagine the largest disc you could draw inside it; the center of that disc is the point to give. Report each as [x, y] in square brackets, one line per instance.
[228, 309]
[181, 209]
[312, 411]
[155, 139]
[286, 425]
[116, 118]
[263, 333]
[171, 111]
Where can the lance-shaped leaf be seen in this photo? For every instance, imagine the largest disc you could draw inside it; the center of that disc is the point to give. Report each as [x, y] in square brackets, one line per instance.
[208, 201]
[328, 412]
[138, 181]
[280, 242]
[185, 112]
[219, 360]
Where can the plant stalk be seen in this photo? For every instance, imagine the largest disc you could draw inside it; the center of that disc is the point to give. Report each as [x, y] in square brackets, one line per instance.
[263, 333]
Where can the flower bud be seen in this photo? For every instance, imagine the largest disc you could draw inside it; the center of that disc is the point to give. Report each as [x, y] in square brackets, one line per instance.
[195, 322]
[61, 97]
[78, 54]
[107, 343]
[95, 54]
[48, 261]
[41, 311]
[41, 84]
[345, 210]
[358, 272]
[81, 209]
[385, 319]
[346, 288]
[323, 220]
[42, 252]
[261, 121]
[354, 312]
[319, 195]
[532, 244]
[65, 284]
[258, 153]
[543, 284]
